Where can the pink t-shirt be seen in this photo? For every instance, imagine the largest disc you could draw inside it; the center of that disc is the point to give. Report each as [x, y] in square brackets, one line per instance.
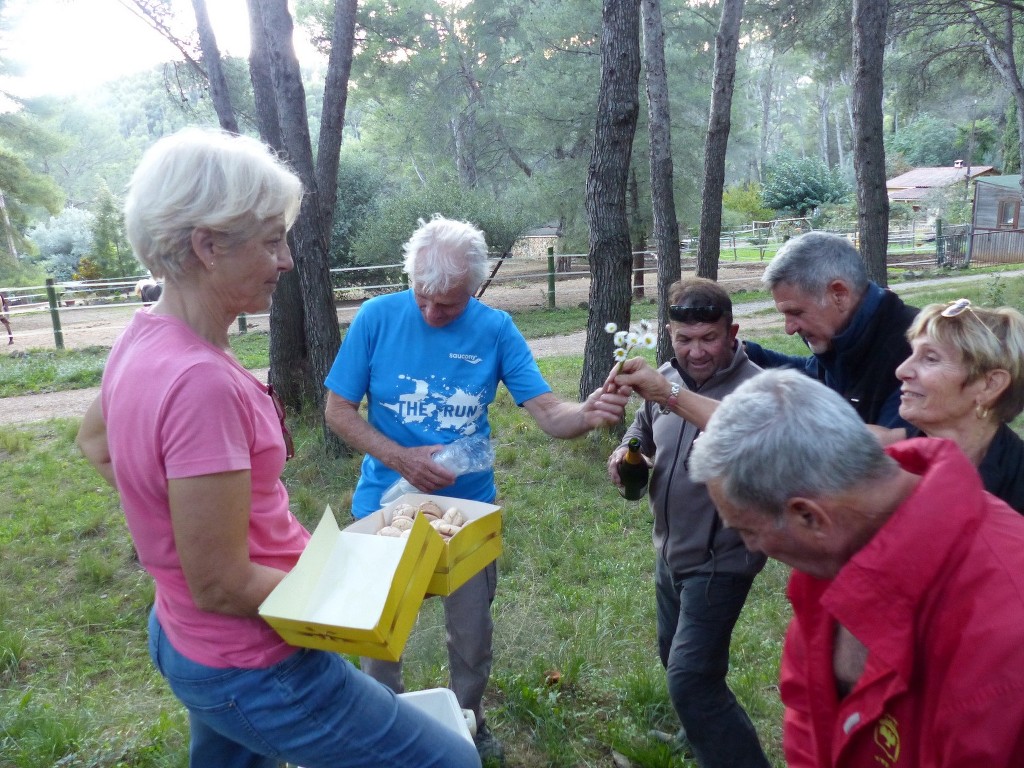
[176, 406]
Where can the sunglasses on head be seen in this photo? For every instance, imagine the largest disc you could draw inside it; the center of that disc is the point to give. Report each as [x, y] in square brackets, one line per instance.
[956, 308]
[959, 307]
[706, 314]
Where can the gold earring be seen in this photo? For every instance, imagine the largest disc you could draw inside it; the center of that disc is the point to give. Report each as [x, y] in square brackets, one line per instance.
[981, 411]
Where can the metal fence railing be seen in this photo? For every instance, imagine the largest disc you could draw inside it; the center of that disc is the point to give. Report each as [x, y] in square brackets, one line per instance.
[996, 247]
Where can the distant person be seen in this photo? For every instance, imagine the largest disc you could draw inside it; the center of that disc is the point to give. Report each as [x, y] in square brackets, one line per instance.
[905, 646]
[151, 293]
[148, 290]
[5, 305]
[196, 445]
[703, 572]
[428, 361]
[855, 329]
[964, 380]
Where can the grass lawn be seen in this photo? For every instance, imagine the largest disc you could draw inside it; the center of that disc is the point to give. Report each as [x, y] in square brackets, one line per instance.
[575, 595]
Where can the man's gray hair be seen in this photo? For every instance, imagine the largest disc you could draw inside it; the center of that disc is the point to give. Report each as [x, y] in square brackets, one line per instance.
[811, 261]
[443, 254]
[783, 434]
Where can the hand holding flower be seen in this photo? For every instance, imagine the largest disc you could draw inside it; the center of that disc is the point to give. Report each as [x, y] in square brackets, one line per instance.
[642, 336]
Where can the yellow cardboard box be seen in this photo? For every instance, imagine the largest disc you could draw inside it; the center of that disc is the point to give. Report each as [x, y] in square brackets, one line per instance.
[355, 594]
[465, 554]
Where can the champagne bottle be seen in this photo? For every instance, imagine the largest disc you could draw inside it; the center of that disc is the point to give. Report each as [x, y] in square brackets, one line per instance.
[633, 472]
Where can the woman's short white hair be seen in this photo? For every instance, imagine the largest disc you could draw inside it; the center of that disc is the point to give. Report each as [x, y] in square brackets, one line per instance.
[204, 178]
[443, 254]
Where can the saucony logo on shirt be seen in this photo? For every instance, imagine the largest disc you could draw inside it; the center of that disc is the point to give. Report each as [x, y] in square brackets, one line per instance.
[472, 359]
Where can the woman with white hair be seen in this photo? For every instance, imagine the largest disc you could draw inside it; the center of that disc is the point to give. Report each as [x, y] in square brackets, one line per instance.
[196, 445]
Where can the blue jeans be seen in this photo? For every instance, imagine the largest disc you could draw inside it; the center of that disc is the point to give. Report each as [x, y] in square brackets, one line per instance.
[313, 709]
[470, 629]
[696, 616]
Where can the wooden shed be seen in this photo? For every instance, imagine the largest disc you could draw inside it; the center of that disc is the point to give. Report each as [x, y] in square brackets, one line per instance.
[997, 236]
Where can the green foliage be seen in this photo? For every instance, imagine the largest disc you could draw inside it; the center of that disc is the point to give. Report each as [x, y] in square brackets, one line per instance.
[43, 370]
[976, 140]
[802, 184]
[359, 186]
[252, 349]
[925, 142]
[952, 204]
[395, 217]
[746, 200]
[1011, 140]
[901, 214]
[51, 370]
[111, 253]
[995, 292]
[836, 216]
[63, 241]
[24, 189]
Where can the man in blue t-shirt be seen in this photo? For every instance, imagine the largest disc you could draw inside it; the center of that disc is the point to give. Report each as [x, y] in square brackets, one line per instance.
[428, 362]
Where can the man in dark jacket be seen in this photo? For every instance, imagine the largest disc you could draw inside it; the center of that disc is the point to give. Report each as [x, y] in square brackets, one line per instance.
[703, 572]
[855, 329]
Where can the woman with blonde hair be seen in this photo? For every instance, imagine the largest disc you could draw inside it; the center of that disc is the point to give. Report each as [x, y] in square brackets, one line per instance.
[964, 381]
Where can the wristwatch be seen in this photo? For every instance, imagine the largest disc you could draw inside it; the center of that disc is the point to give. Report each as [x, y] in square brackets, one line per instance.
[673, 398]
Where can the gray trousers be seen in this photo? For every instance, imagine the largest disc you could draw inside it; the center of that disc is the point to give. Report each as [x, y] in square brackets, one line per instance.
[469, 632]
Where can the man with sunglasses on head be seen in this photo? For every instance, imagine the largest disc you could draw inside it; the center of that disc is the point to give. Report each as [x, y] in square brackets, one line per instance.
[854, 328]
[703, 571]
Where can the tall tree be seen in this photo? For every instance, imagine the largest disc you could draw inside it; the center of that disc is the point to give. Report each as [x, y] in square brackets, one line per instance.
[22, 188]
[610, 253]
[316, 311]
[219, 92]
[727, 43]
[870, 18]
[111, 252]
[304, 329]
[663, 202]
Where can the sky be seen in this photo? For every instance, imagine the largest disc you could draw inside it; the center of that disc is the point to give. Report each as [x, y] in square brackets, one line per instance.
[67, 46]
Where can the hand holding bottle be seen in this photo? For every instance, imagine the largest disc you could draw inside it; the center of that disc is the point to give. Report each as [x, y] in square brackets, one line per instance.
[467, 454]
[629, 471]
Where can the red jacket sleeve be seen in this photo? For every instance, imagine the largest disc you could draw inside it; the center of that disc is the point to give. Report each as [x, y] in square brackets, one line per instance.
[797, 730]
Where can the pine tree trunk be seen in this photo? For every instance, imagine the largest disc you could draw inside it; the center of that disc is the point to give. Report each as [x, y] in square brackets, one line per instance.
[300, 369]
[332, 120]
[214, 71]
[870, 18]
[610, 253]
[666, 227]
[719, 123]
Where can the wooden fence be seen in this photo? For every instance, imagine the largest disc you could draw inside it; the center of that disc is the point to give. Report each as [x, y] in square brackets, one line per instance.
[58, 312]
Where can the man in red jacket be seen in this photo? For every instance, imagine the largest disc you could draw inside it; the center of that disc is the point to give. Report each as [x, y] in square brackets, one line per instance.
[906, 646]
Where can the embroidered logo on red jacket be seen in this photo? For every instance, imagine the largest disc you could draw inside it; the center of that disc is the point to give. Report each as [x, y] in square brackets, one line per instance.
[887, 737]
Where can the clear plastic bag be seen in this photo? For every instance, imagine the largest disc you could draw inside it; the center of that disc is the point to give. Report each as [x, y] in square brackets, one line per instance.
[467, 454]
